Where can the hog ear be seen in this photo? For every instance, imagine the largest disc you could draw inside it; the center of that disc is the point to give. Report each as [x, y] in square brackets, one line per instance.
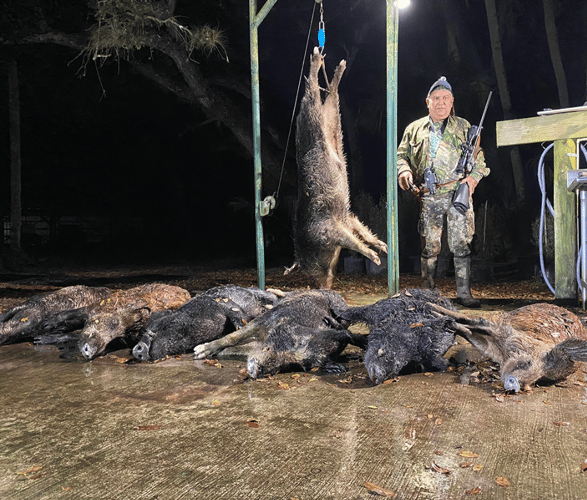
[571, 349]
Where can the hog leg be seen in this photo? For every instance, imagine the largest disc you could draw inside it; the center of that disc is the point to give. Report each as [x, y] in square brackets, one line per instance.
[365, 234]
[235, 338]
[309, 121]
[326, 281]
[347, 239]
[331, 114]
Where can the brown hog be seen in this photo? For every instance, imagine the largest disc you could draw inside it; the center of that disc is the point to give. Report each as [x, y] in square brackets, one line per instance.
[539, 341]
[124, 313]
[34, 316]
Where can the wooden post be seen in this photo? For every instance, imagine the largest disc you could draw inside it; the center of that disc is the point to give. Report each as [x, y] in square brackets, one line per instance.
[563, 127]
[565, 223]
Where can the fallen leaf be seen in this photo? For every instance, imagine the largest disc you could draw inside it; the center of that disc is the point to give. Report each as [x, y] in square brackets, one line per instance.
[372, 407]
[562, 424]
[502, 481]
[499, 398]
[416, 325]
[124, 359]
[253, 423]
[438, 452]
[66, 488]
[430, 416]
[22, 320]
[440, 469]
[216, 402]
[438, 421]
[296, 375]
[465, 465]
[584, 466]
[379, 491]
[474, 491]
[147, 427]
[36, 468]
[428, 374]
[546, 402]
[468, 454]
[477, 467]
[282, 385]
[390, 381]
[37, 476]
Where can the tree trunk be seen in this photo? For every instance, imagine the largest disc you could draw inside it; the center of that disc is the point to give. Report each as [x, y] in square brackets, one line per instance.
[15, 182]
[502, 84]
[454, 55]
[555, 54]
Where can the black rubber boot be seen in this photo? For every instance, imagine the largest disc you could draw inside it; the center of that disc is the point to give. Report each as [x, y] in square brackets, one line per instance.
[429, 271]
[463, 279]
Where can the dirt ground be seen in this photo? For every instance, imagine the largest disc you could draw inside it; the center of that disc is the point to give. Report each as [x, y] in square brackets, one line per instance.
[16, 286]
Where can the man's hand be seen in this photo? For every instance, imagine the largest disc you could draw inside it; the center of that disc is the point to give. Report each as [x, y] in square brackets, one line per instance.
[406, 180]
[471, 182]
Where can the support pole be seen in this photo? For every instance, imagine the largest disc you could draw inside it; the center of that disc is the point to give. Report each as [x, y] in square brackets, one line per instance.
[392, 222]
[254, 21]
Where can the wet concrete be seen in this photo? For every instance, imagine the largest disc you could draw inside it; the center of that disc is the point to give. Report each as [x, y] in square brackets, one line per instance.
[185, 429]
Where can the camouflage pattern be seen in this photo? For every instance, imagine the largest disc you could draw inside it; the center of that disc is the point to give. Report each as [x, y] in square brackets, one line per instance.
[460, 228]
[413, 153]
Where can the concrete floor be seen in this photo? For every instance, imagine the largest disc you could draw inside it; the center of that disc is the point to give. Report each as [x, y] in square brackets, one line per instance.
[185, 429]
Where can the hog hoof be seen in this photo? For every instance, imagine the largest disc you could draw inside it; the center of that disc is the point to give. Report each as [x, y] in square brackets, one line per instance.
[203, 350]
[334, 368]
[141, 350]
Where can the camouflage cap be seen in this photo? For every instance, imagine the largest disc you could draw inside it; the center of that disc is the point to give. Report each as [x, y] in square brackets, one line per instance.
[441, 82]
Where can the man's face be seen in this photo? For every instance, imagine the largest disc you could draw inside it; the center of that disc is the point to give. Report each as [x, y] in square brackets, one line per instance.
[439, 104]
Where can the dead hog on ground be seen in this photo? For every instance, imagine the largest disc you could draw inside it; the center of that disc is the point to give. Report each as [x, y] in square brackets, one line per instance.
[36, 315]
[124, 313]
[404, 330]
[324, 223]
[301, 330]
[216, 312]
[532, 343]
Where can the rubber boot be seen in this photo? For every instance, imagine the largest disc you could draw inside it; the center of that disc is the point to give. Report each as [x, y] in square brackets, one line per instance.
[463, 279]
[429, 271]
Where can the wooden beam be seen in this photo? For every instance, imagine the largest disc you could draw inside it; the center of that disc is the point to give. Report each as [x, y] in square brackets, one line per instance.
[565, 223]
[546, 128]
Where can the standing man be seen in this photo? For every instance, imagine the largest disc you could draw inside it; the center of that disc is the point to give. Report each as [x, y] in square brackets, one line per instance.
[428, 155]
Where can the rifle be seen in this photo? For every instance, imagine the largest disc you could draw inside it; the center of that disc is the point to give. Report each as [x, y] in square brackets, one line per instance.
[469, 147]
[465, 165]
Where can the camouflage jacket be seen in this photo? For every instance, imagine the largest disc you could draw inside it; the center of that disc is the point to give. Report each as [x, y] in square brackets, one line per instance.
[413, 153]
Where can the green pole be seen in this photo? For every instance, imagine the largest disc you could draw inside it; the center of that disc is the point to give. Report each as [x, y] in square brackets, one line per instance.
[392, 244]
[254, 21]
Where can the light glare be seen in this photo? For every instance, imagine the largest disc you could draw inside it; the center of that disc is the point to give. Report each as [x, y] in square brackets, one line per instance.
[402, 4]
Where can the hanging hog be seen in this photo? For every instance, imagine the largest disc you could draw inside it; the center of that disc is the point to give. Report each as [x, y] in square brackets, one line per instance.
[324, 222]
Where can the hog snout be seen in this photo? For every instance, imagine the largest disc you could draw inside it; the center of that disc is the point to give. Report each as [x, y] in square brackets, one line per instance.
[88, 351]
[511, 384]
[141, 350]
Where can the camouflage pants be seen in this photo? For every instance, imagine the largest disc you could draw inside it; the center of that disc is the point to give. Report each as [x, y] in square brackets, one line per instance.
[460, 228]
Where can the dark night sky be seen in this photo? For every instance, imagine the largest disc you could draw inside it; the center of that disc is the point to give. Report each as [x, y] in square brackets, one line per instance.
[138, 151]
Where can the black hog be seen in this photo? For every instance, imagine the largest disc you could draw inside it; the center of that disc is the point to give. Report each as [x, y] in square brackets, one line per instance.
[34, 316]
[532, 343]
[404, 330]
[216, 312]
[124, 313]
[324, 223]
[301, 330]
